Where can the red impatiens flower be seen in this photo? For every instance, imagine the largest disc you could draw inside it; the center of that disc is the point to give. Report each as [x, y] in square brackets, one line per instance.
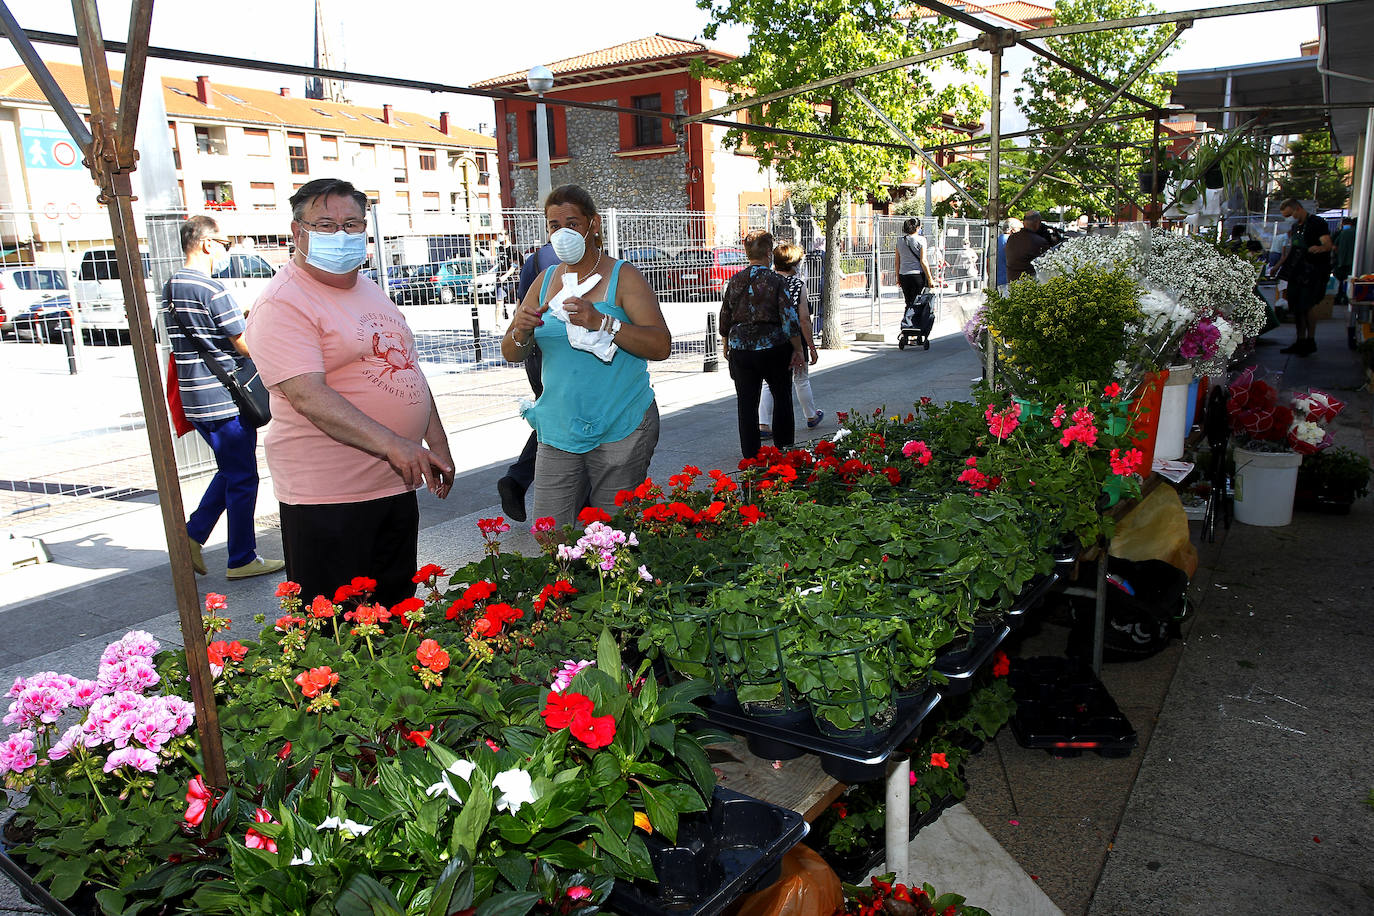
[593, 731]
[432, 656]
[316, 681]
[419, 738]
[560, 708]
[255, 840]
[288, 589]
[427, 572]
[198, 799]
[285, 751]
[579, 892]
[938, 760]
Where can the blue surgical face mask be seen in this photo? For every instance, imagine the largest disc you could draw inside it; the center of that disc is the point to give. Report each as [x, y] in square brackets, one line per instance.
[337, 252]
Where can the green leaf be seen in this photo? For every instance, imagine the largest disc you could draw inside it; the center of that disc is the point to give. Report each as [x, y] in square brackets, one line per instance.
[512, 903]
[364, 895]
[698, 764]
[661, 811]
[445, 889]
[608, 656]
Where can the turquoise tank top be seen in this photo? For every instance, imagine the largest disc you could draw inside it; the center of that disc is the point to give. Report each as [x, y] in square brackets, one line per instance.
[587, 402]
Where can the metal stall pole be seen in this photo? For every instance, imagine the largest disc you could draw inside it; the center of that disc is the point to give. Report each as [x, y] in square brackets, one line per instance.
[994, 192]
[897, 821]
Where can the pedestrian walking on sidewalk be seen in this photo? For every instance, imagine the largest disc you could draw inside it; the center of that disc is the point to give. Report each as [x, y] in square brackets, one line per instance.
[786, 258]
[519, 476]
[596, 323]
[197, 304]
[1309, 268]
[352, 413]
[913, 274]
[762, 340]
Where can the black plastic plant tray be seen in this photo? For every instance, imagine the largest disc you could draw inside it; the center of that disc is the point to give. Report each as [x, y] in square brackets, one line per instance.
[1061, 707]
[873, 751]
[720, 855]
[960, 671]
[854, 869]
[29, 889]
[1030, 599]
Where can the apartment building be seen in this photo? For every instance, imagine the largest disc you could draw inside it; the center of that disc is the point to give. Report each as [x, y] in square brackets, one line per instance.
[239, 154]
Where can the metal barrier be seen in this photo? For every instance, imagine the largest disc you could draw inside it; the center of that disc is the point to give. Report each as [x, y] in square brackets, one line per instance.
[75, 445]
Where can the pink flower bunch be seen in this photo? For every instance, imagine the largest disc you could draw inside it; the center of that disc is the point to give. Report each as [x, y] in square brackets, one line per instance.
[570, 670]
[602, 542]
[1084, 429]
[1126, 464]
[40, 700]
[1200, 341]
[975, 478]
[124, 717]
[918, 452]
[1057, 419]
[126, 664]
[1002, 423]
[18, 752]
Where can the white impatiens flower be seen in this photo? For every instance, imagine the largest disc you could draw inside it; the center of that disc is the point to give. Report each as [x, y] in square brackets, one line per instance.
[305, 858]
[344, 825]
[1121, 369]
[839, 434]
[462, 769]
[516, 789]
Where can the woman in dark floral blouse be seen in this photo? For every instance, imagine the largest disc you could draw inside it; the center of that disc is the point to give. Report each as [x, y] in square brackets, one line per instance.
[763, 343]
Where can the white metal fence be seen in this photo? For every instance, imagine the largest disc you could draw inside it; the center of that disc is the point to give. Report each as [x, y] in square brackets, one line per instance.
[72, 421]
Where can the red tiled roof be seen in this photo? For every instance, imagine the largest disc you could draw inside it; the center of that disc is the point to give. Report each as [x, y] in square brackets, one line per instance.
[654, 49]
[241, 104]
[1017, 11]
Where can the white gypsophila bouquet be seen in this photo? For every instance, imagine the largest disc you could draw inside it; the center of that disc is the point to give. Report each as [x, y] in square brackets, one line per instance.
[1127, 249]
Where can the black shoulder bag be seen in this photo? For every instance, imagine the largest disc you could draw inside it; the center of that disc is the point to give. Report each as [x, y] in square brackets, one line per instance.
[244, 386]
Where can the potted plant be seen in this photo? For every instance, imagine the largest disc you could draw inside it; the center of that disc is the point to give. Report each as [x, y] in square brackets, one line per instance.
[1331, 480]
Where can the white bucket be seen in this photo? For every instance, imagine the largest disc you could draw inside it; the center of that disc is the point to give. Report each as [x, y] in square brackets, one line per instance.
[1265, 483]
[1173, 414]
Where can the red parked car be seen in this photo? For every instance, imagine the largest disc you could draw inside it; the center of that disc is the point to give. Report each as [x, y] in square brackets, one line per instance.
[701, 273]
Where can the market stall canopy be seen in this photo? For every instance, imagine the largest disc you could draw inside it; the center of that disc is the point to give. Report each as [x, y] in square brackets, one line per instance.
[1293, 88]
[1346, 29]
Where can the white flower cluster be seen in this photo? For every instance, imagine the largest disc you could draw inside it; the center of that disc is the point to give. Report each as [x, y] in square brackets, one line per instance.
[1111, 251]
[1165, 315]
[1307, 431]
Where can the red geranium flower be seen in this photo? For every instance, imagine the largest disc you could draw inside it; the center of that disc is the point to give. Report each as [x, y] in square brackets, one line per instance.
[214, 602]
[315, 681]
[479, 591]
[938, 760]
[1001, 665]
[542, 525]
[288, 589]
[427, 572]
[490, 526]
[432, 656]
[592, 514]
[750, 514]
[322, 607]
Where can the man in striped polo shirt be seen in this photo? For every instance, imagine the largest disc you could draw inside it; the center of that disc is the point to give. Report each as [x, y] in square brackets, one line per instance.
[207, 310]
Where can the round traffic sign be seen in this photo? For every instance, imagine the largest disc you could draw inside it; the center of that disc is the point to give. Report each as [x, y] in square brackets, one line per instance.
[64, 154]
[73, 210]
[50, 210]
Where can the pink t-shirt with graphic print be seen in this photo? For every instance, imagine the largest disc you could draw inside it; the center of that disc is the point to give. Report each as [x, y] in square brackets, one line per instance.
[361, 342]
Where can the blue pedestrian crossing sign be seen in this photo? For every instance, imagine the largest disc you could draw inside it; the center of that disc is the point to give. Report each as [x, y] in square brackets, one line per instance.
[45, 148]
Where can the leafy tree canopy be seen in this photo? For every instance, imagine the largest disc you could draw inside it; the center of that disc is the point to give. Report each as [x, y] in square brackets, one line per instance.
[794, 42]
[1051, 95]
[1314, 172]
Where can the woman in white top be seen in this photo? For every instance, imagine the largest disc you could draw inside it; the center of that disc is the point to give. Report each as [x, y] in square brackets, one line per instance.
[913, 274]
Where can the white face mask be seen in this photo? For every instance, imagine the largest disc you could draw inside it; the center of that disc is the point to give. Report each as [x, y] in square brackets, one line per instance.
[569, 244]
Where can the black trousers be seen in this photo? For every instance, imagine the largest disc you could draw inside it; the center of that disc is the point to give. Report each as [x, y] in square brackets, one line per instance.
[328, 545]
[912, 286]
[751, 370]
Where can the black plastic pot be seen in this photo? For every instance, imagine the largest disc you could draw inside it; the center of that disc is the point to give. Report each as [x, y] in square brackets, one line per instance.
[719, 855]
[850, 771]
[1152, 182]
[1061, 707]
[1213, 179]
[771, 748]
[29, 889]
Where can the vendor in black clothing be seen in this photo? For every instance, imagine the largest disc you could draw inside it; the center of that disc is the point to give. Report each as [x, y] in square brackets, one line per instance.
[1308, 267]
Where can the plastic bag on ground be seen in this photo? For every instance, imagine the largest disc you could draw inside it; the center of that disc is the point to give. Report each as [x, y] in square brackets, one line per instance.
[807, 887]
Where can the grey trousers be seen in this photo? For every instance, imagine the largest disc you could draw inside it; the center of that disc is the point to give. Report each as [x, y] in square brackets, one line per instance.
[562, 480]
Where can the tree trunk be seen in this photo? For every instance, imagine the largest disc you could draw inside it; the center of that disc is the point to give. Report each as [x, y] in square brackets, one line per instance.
[831, 337]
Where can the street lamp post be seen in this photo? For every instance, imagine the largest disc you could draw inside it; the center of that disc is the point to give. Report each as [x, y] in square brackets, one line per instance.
[540, 81]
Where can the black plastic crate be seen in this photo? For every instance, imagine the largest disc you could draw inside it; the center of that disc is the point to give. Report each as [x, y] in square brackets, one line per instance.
[720, 854]
[1063, 708]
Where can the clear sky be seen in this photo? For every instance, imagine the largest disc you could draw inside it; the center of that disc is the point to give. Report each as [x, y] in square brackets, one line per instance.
[462, 42]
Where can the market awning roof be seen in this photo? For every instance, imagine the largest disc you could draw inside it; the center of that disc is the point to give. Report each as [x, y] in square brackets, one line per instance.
[1279, 83]
[1346, 31]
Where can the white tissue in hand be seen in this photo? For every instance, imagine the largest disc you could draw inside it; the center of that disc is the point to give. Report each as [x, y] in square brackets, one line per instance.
[598, 343]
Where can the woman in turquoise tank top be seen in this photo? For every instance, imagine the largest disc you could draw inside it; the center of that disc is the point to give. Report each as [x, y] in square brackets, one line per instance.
[597, 420]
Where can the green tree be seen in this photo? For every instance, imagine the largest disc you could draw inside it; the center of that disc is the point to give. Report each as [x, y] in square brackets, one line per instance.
[1314, 172]
[794, 42]
[1102, 166]
[1015, 167]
